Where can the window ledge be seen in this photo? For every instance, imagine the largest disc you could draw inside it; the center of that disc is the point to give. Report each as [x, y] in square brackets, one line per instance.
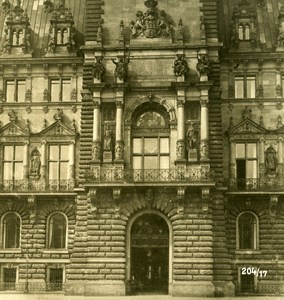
[10, 250]
[249, 252]
[58, 251]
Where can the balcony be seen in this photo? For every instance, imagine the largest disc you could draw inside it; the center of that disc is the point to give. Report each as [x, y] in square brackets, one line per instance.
[28, 185]
[256, 184]
[193, 174]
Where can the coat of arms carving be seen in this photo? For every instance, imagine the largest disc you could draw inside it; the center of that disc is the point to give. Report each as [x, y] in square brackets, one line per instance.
[153, 23]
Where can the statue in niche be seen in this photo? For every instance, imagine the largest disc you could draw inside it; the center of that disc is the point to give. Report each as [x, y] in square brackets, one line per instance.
[202, 65]
[120, 71]
[180, 66]
[191, 137]
[108, 139]
[270, 161]
[35, 163]
[98, 68]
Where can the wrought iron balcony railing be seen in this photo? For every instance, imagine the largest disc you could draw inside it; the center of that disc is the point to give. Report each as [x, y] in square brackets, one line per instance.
[31, 286]
[194, 174]
[26, 185]
[255, 184]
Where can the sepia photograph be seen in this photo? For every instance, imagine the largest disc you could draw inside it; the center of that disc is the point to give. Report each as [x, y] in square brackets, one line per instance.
[141, 149]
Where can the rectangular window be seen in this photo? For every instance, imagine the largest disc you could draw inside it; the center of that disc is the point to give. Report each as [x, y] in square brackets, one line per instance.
[55, 280]
[15, 90]
[245, 87]
[13, 163]
[247, 279]
[9, 278]
[58, 162]
[246, 165]
[151, 153]
[60, 90]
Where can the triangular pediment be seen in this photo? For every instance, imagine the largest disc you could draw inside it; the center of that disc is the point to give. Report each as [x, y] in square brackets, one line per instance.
[58, 129]
[13, 129]
[247, 126]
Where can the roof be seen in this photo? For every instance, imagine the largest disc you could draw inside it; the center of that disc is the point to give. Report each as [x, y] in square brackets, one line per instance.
[40, 22]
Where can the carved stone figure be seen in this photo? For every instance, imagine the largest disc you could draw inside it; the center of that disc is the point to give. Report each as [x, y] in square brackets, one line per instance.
[180, 66]
[35, 163]
[202, 65]
[98, 68]
[138, 26]
[96, 151]
[120, 71]
[280, 25]
[191, 137]
[13, 116]
[164, 28]
[119, 151]
[108, 145]
[270, 161]
[153, 23]
[59, 115]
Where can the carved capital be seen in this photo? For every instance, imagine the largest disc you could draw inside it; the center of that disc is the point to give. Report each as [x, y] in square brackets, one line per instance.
[204, 102]
[180, 103]
[119, 104]
[96, 105]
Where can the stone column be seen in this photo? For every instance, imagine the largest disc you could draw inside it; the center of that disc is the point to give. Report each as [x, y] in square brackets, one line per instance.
[204, 128]
[118, 132]
[280, 157]
[71, 161]
[180, 130]
[26, 161]
[43, 160]
[96, 149]
[232, 159]
[261, 158]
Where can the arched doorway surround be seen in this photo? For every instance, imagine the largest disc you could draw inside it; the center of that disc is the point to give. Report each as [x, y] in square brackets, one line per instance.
[149, 260]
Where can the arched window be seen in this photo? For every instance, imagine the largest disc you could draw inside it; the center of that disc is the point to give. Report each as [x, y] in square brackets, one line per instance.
[241, 32]
[59, 37]
[57, 228]
[150, 138]
[65, 36]
[247, 231]
[247, 32]
[11, 228]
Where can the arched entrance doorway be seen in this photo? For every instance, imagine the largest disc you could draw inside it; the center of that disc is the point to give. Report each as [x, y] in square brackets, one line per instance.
[149, 255]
